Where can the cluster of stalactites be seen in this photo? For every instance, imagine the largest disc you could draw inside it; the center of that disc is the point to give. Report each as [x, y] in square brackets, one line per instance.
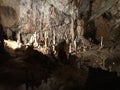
[49, 31]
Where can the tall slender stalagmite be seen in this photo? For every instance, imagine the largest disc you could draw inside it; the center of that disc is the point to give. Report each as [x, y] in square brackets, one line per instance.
[46, 37]
[19, 40]
[54, 40]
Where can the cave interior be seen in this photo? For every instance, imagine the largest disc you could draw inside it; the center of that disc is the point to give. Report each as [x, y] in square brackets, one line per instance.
[59, 44]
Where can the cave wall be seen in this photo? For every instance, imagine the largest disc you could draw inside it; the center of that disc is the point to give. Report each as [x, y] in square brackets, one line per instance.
[55, 15]
[9, 12]
[108, 23]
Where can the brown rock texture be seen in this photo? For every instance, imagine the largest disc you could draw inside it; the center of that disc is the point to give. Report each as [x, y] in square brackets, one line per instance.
[9, 12]
[77, 34]
[37, 15]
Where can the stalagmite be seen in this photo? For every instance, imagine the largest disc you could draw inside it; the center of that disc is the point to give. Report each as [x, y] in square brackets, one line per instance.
[53, 47]
[101, 43]
[46, 37]
[70, 48]
[75, 45]
[54, 41]
[35, 40]
[31, 41]
[19, 39]
[35, 37]
[53, 37]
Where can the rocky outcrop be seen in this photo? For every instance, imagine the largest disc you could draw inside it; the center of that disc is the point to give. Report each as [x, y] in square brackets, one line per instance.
[9, 12]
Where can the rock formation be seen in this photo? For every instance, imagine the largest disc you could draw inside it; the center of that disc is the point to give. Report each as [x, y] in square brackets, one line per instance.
[45, 41]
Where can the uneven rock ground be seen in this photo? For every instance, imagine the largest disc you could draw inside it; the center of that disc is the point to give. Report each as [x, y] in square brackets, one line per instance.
[22, 69]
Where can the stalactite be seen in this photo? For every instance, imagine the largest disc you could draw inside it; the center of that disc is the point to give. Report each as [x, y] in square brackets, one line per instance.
[72, 29]
[79, 33]
[80, 29]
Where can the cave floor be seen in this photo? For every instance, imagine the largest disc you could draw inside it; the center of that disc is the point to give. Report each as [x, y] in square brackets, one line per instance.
[20, 66]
